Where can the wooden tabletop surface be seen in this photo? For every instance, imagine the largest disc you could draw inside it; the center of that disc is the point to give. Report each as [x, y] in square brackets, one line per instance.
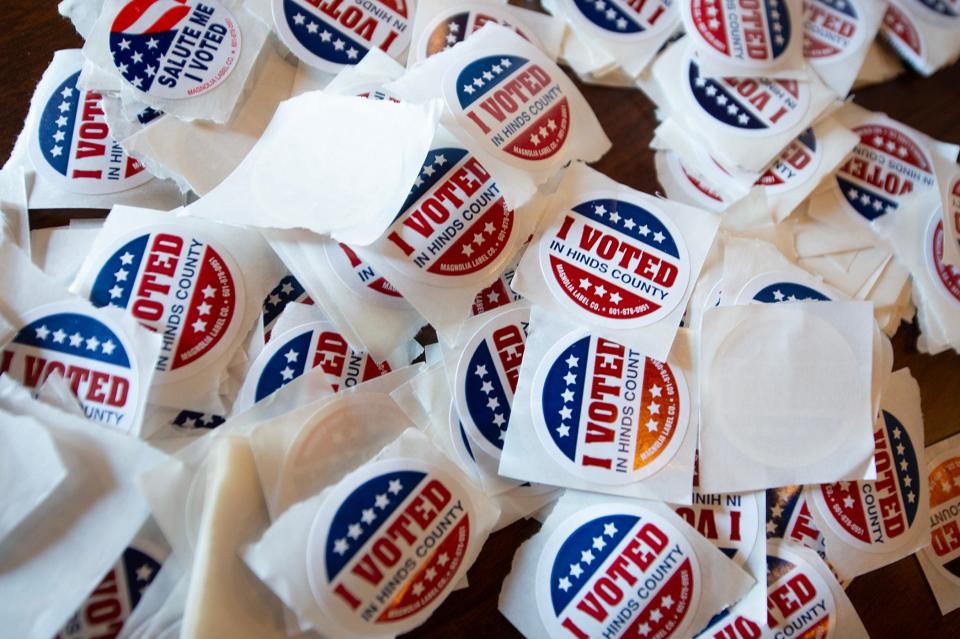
[894, 602]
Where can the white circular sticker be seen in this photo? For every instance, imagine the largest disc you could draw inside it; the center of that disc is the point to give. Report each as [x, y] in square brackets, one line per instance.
[832, 29]
[753, 33]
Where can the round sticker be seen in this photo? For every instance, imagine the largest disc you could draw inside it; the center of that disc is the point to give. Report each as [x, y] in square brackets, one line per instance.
[389, 544]
[878, 515]
[796, 164]
[332, 34]
[94, 358]
[622, 264]
[607, 413]
[947, 275]
[106, 609]
[799, 601]
[303, 348]
[887, 164]
[513, 106]
[729, 521]
[178, 283]
[455, 226]
[756, 106]
[695, 188]
[944, 549]
[624, 20]
[456, 24]
[898, 26]
[486, 378]
[499, 293]
[359, 277]
[776, 287]
[832, 29]
[618, 570]
[754, 33]
[174, 49]
[73, 146]
[288, 290]
[936, 10]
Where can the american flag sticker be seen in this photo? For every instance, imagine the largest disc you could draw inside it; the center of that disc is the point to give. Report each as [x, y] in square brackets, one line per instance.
[799, 601]
[749, 105]
[605, 412]
[832, 29]
[944, 482]
[878, 515]
[755, 32]
[359, 277]
[486, 378]
[388, 545]
[618, 570]
[515, 106]
[454, 25]
[454, 225]
[615, 262]
[333, 34]
[796, 164]
[72, 145]
[947, 275]
[93, 357]
[179, 284]
[628, 20]
[174, 49]
[887, 164]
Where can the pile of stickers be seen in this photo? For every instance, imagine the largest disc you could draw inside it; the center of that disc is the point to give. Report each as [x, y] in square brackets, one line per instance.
[212, 422]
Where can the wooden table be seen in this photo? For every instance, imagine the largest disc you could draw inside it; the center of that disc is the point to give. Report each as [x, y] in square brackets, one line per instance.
[894, 602]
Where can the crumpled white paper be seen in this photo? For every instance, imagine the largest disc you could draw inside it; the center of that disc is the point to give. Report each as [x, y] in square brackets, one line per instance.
[14, 220]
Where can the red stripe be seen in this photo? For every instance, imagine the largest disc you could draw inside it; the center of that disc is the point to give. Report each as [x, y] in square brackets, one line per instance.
[132, 11]
[169, 20]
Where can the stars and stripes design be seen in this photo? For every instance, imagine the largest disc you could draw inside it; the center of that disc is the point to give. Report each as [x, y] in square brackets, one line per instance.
[75, 335]
[457, 26]
[192, 420]
[794, 164]
[287, 290]
[719, 24]
[899, 30]
[142, 32]
[873, 185]
[719, 98]
[947, 274]
[945, 8]
[830, 26]
[629, 18]
[498, 293]
[139, 569]
[788, 292]
[57, 124]
[898, 485]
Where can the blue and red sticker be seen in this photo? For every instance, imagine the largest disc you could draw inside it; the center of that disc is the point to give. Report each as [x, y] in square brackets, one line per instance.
[333, 34]
[796, 164]
[287, 291]
[358, 276]
[388, 545]
[454, 225]
[898, 26]
[620, 264]
[452, 26]
[946, 275]
[180, 285]
[752, 32]
[944, 481]
[605, 412]
[94, 358]
[106, 609]
[513, 106]
[486, 378]
[775, 287]
[886, 165]
[937, 10]
[749, 105]
[617, 570]
[174, 49]
[878, 515]
[73, 146]
[632, 20]
[832, 29]
[799, 600]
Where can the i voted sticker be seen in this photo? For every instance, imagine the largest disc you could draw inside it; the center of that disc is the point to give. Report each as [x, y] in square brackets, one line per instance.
[332, 34]
[618, 570]
[623, 20]
[887, 164]
[795, 165]
[606, 412]
[898, 26]
[499, 292]
[789, 518]
[614, 262]
[514, 106]
[93, 357]
[878, 515]
[729, 521]
[181, 285]
[944, 481]
[696, 188]
[106, 609]
[947, 276]
[754, 33]
[301, 349]
[937, 11]
[288, 290]
[454, 226]
[775, 287]
[832, 29]
[755, 106]
[799, 600]
[389, 544]
[486, 378]
[174, 49]
[455, 24]
[359, 277]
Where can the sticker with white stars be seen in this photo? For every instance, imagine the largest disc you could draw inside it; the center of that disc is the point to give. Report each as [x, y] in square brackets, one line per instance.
[486, 377]
[754, 34]
[332, 34]
[359, 277]
[287, 291]
[389, 544]
[455, 24]
[454, 227]
[618, 570]
[629, 21]
[775, 287]
[72, 145]
[833, 29]
[615, 262]
[946, 276]
[499, 292]
[606, 412]
[937, 10]
[177, 282]
[943, 554]
[174, 49]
